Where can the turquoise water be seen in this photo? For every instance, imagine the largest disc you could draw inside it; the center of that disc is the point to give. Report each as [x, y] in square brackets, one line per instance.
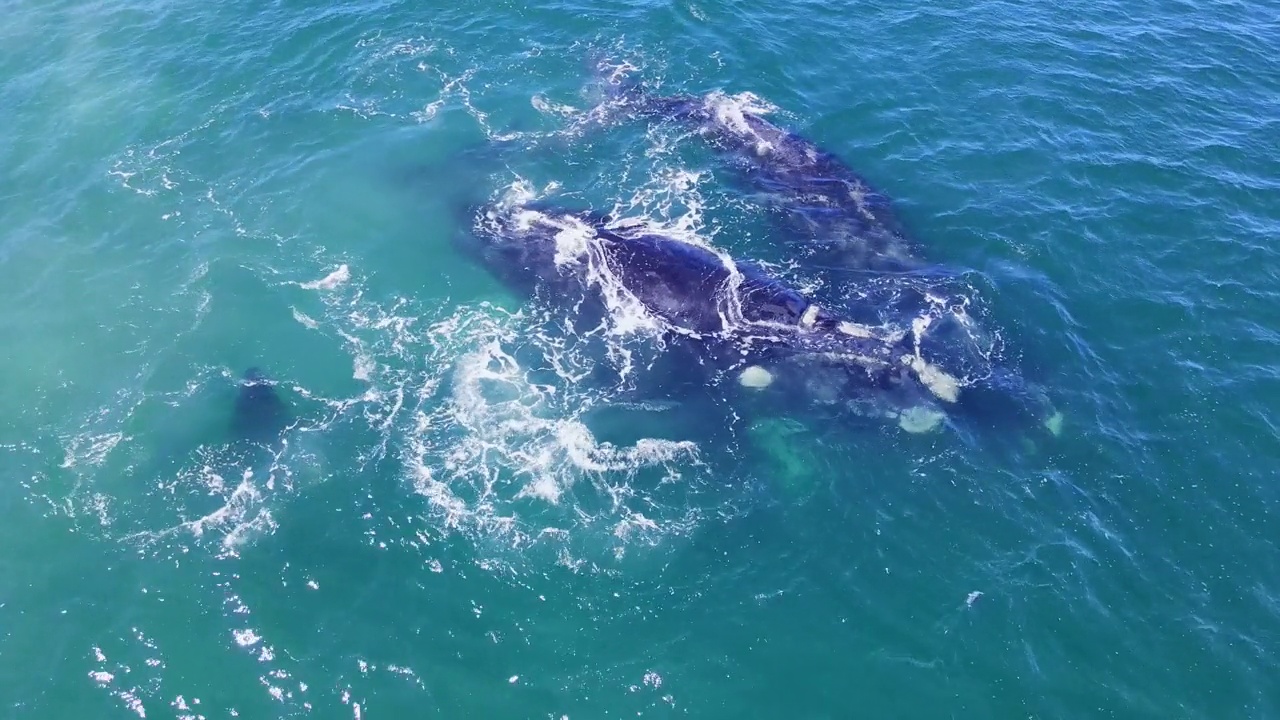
[193, 188]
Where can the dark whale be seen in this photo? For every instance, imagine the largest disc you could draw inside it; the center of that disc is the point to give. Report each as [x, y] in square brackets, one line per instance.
[847, 232]
[740, 322]
[238, 426]
[838, 218]
[259, 415]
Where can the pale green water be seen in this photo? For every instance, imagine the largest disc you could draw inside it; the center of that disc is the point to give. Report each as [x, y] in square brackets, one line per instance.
[428, 544]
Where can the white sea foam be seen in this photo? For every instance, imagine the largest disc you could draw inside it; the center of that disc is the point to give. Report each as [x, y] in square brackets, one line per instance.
[339, 276]
[514, 439]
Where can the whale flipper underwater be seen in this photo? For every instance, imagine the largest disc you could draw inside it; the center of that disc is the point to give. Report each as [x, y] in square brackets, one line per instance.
[740, 322]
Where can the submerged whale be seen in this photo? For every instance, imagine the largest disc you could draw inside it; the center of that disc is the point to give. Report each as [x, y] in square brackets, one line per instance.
[259, 414]
[840, 218]
[740, 321]
[238, 426]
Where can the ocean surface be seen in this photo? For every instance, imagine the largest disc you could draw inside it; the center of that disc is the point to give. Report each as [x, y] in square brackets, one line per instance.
[190, 189]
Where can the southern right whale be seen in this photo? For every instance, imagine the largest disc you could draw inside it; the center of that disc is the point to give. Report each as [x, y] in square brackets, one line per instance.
[842, 219]
[848, 233]
[735, 319]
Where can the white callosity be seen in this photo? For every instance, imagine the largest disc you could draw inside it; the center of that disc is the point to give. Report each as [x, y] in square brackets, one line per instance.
[941, 383]
[755, 377]
[920, 419]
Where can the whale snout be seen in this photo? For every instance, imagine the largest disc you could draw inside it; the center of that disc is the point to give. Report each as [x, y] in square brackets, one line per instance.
[850, 382]
[858, 373]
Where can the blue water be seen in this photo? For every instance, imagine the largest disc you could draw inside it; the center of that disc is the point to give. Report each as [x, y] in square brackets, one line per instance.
[191, 189]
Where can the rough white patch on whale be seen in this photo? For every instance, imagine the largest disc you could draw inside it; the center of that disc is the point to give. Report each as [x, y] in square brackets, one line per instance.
[730, 112]
[809, 316]
[524, 220]
[755, 377]
[571, 241]
[854, 329]
[330, 281]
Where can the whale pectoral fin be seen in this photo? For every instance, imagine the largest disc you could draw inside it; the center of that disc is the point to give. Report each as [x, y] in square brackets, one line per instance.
[784, 444]
[1053, 423]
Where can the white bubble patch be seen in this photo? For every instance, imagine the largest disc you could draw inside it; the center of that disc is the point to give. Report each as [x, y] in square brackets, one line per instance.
[497, 452]
[731, 112]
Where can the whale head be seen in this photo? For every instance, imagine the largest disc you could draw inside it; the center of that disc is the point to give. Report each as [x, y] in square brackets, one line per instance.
[916, 380]
[847, 370]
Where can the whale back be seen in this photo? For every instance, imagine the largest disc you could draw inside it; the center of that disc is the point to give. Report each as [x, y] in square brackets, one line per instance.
[695, 288]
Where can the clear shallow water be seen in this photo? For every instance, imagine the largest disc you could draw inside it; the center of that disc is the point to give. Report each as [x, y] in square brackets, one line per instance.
[193, 189]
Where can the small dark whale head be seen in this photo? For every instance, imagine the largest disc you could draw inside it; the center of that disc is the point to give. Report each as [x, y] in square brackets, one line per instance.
[260, 415]
[1005, 402]
[993, 393]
